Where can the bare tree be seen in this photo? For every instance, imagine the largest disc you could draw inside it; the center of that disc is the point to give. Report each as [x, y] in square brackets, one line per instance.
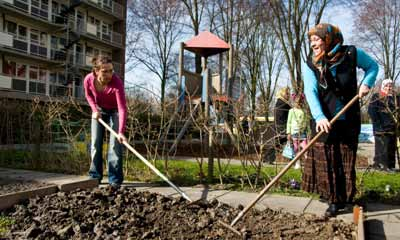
[291, 22]
[378, 28]
[195, 10]
[271, 71]
[252, 50]
[225, 19]
[157, 24]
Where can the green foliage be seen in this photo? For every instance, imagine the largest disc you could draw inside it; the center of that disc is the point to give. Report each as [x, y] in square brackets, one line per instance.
[5, 223]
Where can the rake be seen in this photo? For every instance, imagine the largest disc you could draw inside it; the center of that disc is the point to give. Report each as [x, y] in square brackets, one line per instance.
[155, 170]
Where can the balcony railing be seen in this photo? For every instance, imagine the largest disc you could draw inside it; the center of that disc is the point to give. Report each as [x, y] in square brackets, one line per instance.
[106, 5]
[58, 90]
[38, 50]
[89, 29]
[58, 55]
[31, 48]
[32, 9]
[35, 87]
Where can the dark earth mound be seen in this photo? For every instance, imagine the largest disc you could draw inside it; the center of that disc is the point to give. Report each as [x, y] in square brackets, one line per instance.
[130, 214]
[15, 185]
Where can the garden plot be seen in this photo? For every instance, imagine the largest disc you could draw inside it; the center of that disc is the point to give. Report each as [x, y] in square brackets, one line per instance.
[130, 214]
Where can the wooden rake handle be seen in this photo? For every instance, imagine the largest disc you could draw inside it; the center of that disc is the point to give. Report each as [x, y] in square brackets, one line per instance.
[284, 170]
[145, 161]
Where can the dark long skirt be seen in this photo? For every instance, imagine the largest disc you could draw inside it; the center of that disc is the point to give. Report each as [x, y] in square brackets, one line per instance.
[329, 170]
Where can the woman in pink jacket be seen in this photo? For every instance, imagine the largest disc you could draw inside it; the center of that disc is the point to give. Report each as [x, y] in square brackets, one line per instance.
[105, 94]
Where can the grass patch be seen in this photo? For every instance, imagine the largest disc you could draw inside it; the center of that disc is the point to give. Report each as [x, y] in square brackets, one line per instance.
[371, 185]
[5, 223]
[378, 187]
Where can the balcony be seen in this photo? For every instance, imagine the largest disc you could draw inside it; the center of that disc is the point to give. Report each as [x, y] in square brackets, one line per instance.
[94, 32]
[31, 48]
[107, 6]
[34, 87]
[5, 81]
[33, 9]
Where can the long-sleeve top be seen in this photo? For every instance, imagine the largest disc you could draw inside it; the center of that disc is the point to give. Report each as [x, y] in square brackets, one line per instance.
[297, 122]
[112, 97]
[364, 61]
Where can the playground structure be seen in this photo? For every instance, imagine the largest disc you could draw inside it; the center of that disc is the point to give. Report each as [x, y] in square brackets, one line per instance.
[205, 93]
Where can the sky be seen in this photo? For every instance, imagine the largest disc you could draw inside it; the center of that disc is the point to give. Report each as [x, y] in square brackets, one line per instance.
[339, 15]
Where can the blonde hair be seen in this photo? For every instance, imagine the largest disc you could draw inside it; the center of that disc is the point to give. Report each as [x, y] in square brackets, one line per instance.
[283, 93]
[98, 60]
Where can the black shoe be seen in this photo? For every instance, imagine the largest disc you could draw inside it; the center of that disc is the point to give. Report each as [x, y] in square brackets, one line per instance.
[340, 206]
[332, 210]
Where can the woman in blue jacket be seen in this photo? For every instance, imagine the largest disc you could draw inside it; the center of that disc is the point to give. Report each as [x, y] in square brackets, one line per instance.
[330, 81]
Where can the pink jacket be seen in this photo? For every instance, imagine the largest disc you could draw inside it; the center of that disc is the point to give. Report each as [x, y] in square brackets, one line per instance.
[112, 97]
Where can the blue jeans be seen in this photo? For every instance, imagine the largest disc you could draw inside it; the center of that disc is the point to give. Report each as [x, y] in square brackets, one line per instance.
[114, 155]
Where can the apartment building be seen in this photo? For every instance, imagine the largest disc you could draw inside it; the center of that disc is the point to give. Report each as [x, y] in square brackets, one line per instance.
[46, 46]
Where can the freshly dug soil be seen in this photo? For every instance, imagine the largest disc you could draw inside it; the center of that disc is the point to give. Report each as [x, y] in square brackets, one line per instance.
[130, 214]
[14, 185]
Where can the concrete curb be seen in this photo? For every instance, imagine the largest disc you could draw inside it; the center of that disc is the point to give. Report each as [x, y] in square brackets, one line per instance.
[57, 182]
[83, 184]
[8, 200]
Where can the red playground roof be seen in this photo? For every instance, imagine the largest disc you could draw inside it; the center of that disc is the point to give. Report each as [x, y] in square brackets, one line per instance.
[206, 44]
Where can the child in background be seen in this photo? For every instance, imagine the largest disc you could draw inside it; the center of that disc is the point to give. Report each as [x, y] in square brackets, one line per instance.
[298, 127]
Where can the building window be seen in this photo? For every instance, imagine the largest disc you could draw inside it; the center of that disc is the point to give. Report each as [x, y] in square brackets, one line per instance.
[53, 78]
[9, 68]
[11, 28]
[22, 32]
[42, 75]
[33, 73]
[37, 80]
[34, 36]
[21, 70]
[55, 8]
[43, 39]
[92, 20]
[105, 29]
[54, 42]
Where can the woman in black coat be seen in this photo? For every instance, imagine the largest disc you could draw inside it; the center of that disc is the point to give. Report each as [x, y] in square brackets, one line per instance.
[382, 110]
[281, 112]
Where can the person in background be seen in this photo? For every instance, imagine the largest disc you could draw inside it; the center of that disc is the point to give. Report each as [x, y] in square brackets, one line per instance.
[330, 82]
[383, 109]
[298, 126]
[105, 94]
[281, 112]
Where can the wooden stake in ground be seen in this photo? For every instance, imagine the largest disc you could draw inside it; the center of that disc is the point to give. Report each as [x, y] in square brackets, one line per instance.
[283, 171]
[155, 170]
